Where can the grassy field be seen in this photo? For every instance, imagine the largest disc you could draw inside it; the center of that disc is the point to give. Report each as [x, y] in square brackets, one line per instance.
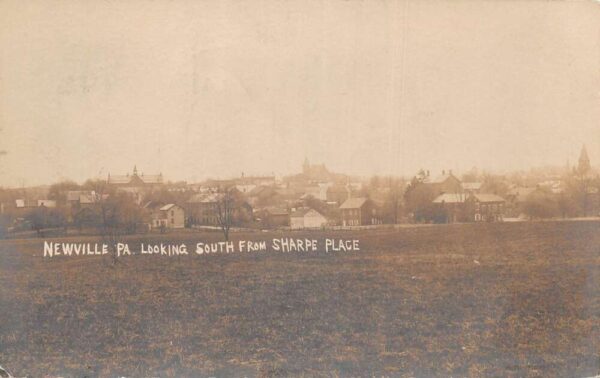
[510, 300]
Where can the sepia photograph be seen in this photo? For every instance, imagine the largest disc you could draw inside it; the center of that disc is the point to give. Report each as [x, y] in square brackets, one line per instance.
[318, 188]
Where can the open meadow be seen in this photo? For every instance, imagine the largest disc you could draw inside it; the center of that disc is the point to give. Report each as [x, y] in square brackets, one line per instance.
[472, 300]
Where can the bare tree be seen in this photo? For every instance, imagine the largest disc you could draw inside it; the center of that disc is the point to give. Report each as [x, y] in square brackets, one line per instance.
[225, 208]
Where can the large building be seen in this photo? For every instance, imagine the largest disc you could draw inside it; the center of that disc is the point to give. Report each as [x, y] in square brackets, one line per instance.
[359, 211]
[203, 209]
[444, 183]
[135, 180]
[468, 207]
[208, 208]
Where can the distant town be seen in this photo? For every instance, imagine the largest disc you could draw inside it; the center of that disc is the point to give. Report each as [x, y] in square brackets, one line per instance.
[314, 198]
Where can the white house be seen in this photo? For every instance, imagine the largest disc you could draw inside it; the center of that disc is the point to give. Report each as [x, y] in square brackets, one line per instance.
[307, 218]
[169, 216]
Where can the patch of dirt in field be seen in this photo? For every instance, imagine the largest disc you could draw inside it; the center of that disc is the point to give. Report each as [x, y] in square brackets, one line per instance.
[461, 300]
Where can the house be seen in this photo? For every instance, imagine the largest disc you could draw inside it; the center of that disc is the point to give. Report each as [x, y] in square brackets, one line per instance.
[307, 218]
[272, 217]
[359, 211]
[444, 183]
[205, 208]
[468, 207]
[152, 209]
[262, 196]
[169, 216]
[90, 199]
[73, 198]
[485, 208]
[450, 207]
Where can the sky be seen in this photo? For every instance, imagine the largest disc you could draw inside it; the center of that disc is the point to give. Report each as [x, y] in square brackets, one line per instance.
[199, 89]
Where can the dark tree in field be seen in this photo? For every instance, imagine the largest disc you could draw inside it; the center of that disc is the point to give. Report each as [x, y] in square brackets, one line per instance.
[42, 217]
[225, 209]
[232, 210]
[581, 183]
[541, 204]
[392, 205]
[58, 191]
[418, 198]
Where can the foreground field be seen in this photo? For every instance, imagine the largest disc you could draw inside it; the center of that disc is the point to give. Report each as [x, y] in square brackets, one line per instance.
[464, 300]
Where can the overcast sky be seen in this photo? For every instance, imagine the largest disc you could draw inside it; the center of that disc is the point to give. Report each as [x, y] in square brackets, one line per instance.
[197, 89]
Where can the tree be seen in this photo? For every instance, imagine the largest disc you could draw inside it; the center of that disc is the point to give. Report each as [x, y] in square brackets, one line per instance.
[58, 191]
[418, 198]
[495, 185]
[581, 183]
[231, 210]
[391, 200]
[87, 217]
[541, 204]
[225, 206]
[42, 217]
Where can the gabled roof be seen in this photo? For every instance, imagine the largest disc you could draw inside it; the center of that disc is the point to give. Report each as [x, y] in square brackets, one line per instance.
[151, 205]
[168, 207]
[151, 179]
[450, 198]
[488, 198]
[127, 179]
[261, 190]
[276, 211]
[440, 179]
[303, 211]
[119, 179]
[354, 203]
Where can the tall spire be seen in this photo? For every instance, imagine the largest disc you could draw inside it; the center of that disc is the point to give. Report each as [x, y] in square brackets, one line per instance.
[305, 166]
[135, 170]
[584, 162]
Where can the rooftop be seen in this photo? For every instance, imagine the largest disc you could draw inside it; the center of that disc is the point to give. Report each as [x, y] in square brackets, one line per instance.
[354, 203]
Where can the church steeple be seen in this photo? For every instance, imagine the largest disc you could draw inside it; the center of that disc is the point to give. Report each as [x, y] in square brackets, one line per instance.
[305, 166]
[135, 170]
[584, 166]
